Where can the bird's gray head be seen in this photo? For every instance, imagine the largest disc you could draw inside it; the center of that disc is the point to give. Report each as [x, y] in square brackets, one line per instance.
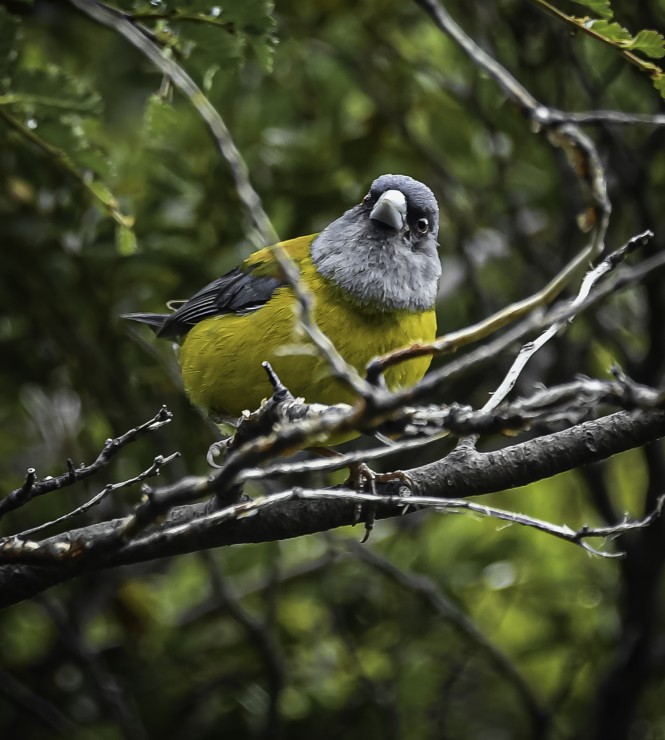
[384, 250]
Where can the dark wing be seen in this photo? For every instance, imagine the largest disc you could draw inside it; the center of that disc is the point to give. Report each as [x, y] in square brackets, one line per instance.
[239, 291]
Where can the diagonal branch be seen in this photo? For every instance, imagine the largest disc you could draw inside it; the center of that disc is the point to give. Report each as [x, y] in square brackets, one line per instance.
[32, 488]
[153, 470]
[590, 280]
[264, 232]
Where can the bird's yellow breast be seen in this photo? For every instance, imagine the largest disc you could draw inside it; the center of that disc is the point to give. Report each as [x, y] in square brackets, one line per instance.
[221, 356]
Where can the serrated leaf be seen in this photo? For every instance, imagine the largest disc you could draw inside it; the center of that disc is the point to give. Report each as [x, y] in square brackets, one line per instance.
[611, 31]
[103, 193]
[601, 8]
[10, 39]
[649, 42]
[659, 83]
[125, 240]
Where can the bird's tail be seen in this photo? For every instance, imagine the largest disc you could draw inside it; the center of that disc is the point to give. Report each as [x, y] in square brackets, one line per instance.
[154, 320]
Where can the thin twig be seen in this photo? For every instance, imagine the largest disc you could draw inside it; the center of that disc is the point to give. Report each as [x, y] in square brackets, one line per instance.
[563, 532]
[152, 471]
[62, 160]
[569, 400]
[438, 378]
[611, 117]
[13, 549]
[589, 281]
[264, 233]
[577, 537]
[33, 488]
[326, 349]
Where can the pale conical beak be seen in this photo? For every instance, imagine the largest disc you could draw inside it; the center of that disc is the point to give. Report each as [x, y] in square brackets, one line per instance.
[390, 209]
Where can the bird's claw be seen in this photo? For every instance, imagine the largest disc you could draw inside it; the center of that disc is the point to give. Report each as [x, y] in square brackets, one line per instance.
[360, 475]
[216, 450]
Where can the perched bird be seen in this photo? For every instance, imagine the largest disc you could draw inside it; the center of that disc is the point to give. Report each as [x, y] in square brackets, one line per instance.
[373, 274]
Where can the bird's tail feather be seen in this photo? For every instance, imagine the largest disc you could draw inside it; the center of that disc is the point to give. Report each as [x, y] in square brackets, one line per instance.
[154, 320]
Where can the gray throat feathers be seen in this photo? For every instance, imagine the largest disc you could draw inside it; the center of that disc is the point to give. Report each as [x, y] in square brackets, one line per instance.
[376, 267]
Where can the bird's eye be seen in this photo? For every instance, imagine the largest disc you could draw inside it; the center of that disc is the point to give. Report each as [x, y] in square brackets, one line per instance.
[422, 224]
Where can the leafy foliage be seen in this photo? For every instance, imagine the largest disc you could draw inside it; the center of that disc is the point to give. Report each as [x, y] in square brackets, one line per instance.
[216, 34]
[602, 8]
[647, 41]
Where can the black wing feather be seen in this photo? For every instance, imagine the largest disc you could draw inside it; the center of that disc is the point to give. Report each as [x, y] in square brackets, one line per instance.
[236, 292]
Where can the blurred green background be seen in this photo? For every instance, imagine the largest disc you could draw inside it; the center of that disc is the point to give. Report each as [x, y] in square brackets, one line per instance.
[114, 199]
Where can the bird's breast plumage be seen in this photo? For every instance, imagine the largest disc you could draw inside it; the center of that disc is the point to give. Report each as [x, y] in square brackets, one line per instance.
[221, 356]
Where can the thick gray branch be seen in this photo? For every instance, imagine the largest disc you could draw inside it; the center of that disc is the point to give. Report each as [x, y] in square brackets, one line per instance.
[461, 474]
[470, 473]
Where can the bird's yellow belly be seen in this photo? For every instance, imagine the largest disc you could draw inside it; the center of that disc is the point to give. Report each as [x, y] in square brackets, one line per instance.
[221, 357]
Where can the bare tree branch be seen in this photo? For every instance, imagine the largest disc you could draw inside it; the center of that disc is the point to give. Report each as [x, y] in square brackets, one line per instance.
[590, 279]
[154, 470]
[33, 488]
[461, 474]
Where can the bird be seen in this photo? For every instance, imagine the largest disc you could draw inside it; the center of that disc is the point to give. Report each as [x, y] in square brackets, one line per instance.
[373, 274]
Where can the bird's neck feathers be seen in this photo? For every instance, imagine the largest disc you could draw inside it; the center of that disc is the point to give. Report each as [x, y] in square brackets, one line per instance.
[377, 272]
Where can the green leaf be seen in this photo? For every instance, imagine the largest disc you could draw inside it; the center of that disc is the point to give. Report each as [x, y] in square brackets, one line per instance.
[611, 31]
[649, 42]
[103, 193]
[57, 107]
[601, 8]
[255, 19]
[125, 240]
[659, 83]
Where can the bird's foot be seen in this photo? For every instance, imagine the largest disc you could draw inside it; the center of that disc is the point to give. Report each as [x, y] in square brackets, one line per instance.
[360, 475]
